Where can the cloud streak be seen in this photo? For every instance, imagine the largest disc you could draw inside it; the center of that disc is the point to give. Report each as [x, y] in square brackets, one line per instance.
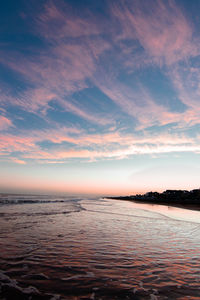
[84, 52]
[91, 147]
[163, 31]
[5, 123]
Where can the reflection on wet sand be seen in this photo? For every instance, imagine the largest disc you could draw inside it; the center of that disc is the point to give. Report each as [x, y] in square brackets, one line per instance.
[177, 213]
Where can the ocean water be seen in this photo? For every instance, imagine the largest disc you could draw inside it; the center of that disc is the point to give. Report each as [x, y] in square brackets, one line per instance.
[54, 247]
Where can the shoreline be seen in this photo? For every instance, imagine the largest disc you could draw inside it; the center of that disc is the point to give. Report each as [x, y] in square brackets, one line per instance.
[178, 205]
[175, 198]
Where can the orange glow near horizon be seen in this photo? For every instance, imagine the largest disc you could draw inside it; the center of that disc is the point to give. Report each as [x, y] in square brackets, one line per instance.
[62, 187]
[112, 184]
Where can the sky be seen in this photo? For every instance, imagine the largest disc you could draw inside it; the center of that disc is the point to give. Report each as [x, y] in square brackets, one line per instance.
[99, 96]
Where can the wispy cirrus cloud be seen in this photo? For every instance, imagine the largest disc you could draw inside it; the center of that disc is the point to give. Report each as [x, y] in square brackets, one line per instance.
[81, 51]
[186, 83]
[5, 123]
[53, 19]
[68, 143]
[163, 31]
[18, 161]
[63, 67]
[140, 104]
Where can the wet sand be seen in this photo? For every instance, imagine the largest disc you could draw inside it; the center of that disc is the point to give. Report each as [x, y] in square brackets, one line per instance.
[180, 205]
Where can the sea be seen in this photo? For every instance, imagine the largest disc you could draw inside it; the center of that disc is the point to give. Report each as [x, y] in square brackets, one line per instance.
[62, 247]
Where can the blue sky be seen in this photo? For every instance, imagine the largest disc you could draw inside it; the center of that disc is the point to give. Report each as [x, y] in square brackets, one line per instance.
[99, 96]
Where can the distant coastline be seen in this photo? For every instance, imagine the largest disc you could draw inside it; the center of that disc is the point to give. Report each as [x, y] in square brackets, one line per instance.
[178, 198]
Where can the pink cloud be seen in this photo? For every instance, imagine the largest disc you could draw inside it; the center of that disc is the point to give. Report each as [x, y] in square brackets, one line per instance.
[138, 104]
[163, 31]
[185, 80]
[11, 143]
[65, 67]
[57, 80]
[18, 161]
[59, 17]
[4, 123]
[62, 69]
[92, 155]
[79, 111]
[111, 145]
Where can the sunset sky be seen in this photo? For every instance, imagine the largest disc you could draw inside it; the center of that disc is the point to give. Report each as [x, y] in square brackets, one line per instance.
[99, 96]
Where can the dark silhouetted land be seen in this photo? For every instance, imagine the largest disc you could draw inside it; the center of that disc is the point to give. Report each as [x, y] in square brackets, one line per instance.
[179, 198]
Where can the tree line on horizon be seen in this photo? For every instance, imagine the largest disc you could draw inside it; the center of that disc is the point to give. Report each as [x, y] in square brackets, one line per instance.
[168, 196]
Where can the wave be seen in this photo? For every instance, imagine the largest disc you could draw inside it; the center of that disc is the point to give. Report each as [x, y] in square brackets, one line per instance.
[10, 289]
[33, 199]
